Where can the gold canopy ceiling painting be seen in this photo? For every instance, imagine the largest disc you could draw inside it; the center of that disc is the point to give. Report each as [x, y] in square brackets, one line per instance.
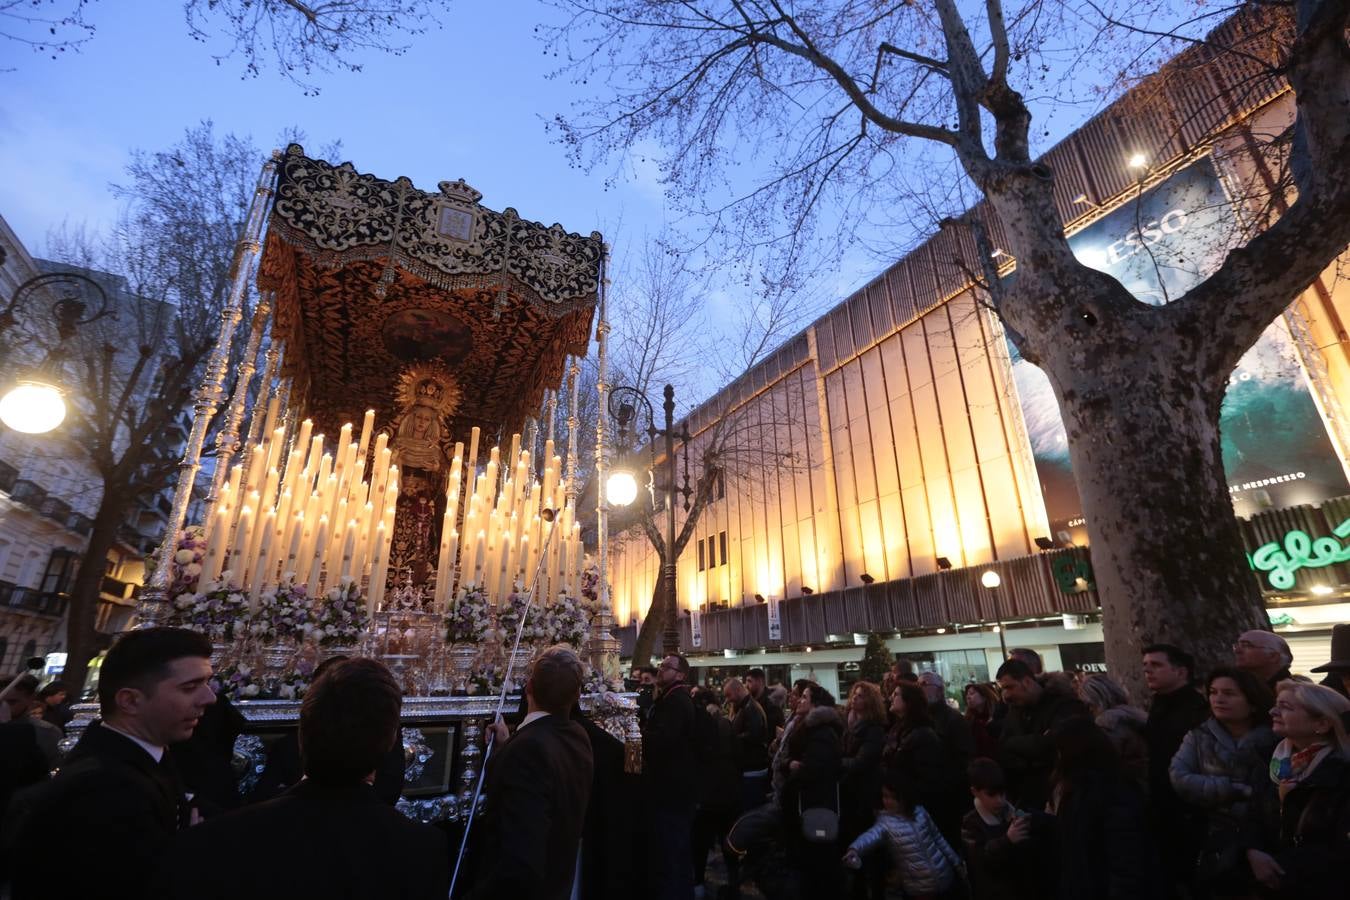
[372, 276]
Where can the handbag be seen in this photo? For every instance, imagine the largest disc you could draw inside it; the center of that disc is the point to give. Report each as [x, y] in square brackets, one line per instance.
[820, 824]
[1221, 864]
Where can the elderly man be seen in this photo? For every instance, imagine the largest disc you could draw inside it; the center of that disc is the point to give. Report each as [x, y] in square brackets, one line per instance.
[1265, 654]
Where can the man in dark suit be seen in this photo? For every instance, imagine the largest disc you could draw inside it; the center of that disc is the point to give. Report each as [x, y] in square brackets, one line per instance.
[538, 785]
[118, 800]
[669, 769]
[329, 836]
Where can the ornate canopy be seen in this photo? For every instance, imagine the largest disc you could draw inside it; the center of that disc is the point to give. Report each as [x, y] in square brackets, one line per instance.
[373, 276]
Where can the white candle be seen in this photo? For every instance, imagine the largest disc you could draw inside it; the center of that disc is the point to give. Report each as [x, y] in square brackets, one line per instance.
[479, 553]
[258, 582]
[273, 407]
[365, 533]
[291, 566]
[316, 564]
[367, 425]
[302, 441]
[349, 548]
[473, 448]
[215, 542]
[380, 570]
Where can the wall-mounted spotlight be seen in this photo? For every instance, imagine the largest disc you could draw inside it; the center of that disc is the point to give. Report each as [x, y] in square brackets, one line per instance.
[760, 598]
[806, 591]
[944, 563]
[865, 578]
[1045, 543]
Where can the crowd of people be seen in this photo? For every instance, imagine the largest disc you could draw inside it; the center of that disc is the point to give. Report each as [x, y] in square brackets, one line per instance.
[1038, 784]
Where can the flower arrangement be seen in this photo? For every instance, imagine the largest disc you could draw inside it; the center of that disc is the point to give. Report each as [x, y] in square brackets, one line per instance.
[185, 565]
[283, 614]
[509, 616]
[566, 621]
[596, 683]
[342, 616]
[483, 679]
[470, 618]
[215, 612]
[237, 683]
[296, 681]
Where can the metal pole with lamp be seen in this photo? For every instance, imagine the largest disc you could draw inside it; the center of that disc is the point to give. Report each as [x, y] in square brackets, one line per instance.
[621, 487]
[991, 580]
[36, 404]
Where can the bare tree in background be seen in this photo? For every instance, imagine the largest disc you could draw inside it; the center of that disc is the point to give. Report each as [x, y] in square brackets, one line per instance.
[832, 97]
[133, 379]
[662, 339]
[45, 26]
[298, 39]
[301, 39]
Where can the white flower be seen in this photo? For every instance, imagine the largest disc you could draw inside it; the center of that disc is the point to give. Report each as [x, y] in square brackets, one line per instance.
[250, 690]
[183, 557]
[192, 569]
[287, 692]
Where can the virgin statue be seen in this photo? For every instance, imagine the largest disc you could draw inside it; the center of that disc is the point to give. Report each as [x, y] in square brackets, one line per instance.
[427, 395]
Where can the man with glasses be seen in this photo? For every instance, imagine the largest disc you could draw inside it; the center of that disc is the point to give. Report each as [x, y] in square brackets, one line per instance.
[668, 779]
[1175, 709]
[1265, 654]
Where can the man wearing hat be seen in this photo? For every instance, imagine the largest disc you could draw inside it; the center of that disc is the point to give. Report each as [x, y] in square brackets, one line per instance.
[1338, 669]
[1265, 654]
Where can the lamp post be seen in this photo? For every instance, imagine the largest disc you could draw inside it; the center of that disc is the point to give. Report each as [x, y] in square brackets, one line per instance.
[991, 580]
[621, 487]
[36, 403]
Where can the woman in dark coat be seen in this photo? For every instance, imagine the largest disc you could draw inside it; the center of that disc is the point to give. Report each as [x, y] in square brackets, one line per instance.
[1105, 849]
[864, 739]
[1304, 855]
[981, 703]
[914, 749]
[815, 750]
[1223, 771]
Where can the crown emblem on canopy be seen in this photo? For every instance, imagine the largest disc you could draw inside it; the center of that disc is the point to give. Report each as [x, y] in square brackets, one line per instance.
[460, 190]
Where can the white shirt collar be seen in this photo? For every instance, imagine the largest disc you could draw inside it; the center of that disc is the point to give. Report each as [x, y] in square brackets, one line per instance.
[532, 717]
[156, 752]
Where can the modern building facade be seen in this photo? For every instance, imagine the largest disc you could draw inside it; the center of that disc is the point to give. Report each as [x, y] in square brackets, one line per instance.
[899, 448]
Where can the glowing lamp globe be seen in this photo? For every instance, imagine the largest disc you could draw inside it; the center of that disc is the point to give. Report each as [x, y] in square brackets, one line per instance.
[990, 579]
[621, 488]
[33, 407]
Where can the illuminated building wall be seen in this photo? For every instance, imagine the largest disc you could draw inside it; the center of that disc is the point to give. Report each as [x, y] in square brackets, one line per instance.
[913, 435]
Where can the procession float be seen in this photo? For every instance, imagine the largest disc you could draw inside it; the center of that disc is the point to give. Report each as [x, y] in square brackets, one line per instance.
[390, 476]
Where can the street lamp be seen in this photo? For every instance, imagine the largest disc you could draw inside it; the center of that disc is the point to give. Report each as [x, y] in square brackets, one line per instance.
[992, 580]
[621, 487]
[33, 406]
[36, 404]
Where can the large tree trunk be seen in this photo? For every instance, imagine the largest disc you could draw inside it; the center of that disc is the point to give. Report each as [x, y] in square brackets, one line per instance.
[1166, 551]
[82, 640]
[649, 634]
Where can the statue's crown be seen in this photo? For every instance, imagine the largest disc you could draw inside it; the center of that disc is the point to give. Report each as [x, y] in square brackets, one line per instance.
[430, 390]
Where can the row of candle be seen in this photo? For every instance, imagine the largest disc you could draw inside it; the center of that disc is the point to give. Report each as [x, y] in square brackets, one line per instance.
[315, 519]
[502, 518]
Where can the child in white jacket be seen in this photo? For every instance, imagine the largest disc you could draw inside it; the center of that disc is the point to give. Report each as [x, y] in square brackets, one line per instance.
[924, 864]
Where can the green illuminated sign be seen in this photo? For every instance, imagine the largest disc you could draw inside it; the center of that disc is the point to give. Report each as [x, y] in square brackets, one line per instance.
[1280, 560]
